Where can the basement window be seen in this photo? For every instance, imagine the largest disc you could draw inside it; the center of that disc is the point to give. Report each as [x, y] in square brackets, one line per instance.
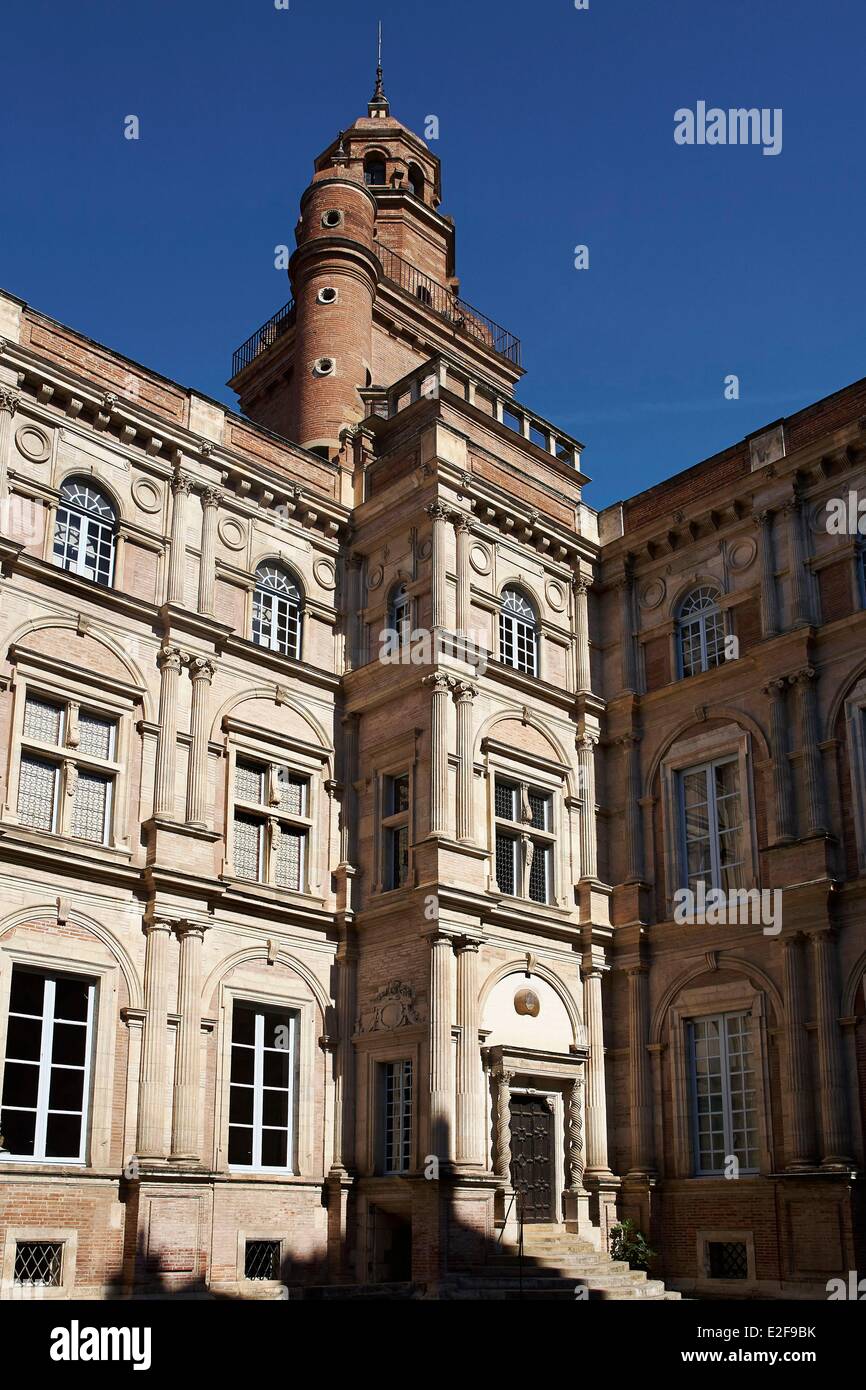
[38, 1264]
[727, 1259]
[262, 1260]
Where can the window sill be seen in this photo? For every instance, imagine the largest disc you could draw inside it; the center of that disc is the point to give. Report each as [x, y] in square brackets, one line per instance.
[268, 892]
[48, 843]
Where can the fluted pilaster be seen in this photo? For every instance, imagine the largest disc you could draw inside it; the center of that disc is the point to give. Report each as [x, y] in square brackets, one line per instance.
[440, 686]
[438, 514]
[468, 1059]
[210, 501]
[463, 528]
[169, 661]
[835, 1144]
[344, 1079]
[581, 623]
[441, 1078]
[181, 486]
[464, 694]
[640, 1081]
[187, 1061]
[626, 606]
[630, 745]
[801, 594]
[783, 791]
[812, 768]
[201, 672]
[152, 1079]
[9, 401]
[769, 608]
[596, 1091]
[801, 1140]
[586, 744]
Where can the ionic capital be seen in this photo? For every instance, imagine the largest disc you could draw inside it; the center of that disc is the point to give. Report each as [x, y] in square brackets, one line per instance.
[200, 668]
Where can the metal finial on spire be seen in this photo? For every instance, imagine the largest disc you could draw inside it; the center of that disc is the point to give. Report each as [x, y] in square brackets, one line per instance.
[378, 104]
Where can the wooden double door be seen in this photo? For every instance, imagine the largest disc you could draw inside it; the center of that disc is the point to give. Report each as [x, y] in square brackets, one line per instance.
[532, 1168]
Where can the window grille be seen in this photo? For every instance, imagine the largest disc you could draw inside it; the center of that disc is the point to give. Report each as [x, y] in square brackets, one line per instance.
[67, 796]
[37, 792]
[728, 1259]
[262, 1259]
[38, 1264]
[269, 846]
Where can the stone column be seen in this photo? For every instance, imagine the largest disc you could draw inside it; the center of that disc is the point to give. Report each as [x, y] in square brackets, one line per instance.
[441, 687]
[210, 501]
[630, 744]
[813, 771]
[835, 1145]
[464, 694]
[169, 662]
[181, 486]
[439, 515]
[441, 1080]
[468, 1056]
[348, 818]
[769, 609]
[201, 673]
[626, 597]
[581, 622]
[9, 401]
[640, 1082]
[150, 1142]
[187, 1071]
[344, 1079]
[782, 788]
[586, 771]
[502, 1126]
[463, 527]
[576, 1160]
[596, 1095]
[801, 596]
[354, 605]
[801, 1141]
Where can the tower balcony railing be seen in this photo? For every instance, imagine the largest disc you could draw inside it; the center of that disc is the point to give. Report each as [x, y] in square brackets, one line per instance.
[449, 306]
[278, 324]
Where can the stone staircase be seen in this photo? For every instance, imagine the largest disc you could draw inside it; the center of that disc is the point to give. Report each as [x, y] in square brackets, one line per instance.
[556, 1265]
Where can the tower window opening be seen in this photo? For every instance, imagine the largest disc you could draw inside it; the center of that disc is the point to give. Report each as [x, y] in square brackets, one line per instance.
[416, 180]
[333, 217]
[375, 172]
[327, 295]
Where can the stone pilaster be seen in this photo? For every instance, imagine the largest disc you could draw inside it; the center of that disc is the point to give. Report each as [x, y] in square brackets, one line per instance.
[344, 1078]
[801, 1139]
[439, 516]
[586, 744]
[441, 1078]
[210, 501]
[463, 528]
[801, 595]
[581, 622]
[9, 401]
[187, 1062]
[640, 1081]
[812, 770]
[169, 661]
[630, 745]
[151, 1140]
[469, 1075]
[835, 1147]
[349, 811]
[464, 694]
[440, 686]
[626, 608]
[181, 486]
[596, 1092]
[782, 789]
[201, 673]
[769, 607]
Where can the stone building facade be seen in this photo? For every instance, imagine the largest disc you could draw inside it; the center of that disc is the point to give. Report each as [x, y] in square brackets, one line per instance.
[351, 766]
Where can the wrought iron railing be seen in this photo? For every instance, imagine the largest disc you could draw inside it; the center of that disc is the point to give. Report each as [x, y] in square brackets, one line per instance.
[263, 337]
[449, 306]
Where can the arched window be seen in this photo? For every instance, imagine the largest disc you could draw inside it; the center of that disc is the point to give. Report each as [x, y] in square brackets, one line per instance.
[416, 180]
[374, 170]
[277, 611]
[84, 531]
[400, 614]
[518, 632]
[701, 631]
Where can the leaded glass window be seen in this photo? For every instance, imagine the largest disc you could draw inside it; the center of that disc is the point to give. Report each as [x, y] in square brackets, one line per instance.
[271, 824]
[69, 793]
[523, 840]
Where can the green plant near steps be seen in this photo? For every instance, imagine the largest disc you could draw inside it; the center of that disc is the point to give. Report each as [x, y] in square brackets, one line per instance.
[628, 1243]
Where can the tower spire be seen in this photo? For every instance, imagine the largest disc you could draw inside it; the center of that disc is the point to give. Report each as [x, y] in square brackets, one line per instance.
[379, 104]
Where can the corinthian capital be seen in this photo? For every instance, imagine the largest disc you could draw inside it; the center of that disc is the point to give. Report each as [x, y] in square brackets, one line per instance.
[9, 399]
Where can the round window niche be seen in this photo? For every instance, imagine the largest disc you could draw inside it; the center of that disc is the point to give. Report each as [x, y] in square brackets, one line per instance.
[527, 1003]
[325, 366]
[333, 217]
[327, 295]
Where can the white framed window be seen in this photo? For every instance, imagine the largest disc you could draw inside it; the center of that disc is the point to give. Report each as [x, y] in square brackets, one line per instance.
[701, 631]
[47, 1067]
[724, 1088]
[524, 840]
[518, 632]
[397, 1106]
[277, 611]
[395, 831]
[271, 824]
[263, 1088]
[712, 825]
[67, 768]
[84, 531]
[400, 615]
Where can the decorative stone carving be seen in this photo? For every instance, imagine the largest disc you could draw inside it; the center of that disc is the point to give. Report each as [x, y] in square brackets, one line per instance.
[527, 1002]
[394, 1006]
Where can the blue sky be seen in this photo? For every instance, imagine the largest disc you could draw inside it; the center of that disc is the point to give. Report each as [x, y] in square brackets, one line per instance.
[556, 129]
